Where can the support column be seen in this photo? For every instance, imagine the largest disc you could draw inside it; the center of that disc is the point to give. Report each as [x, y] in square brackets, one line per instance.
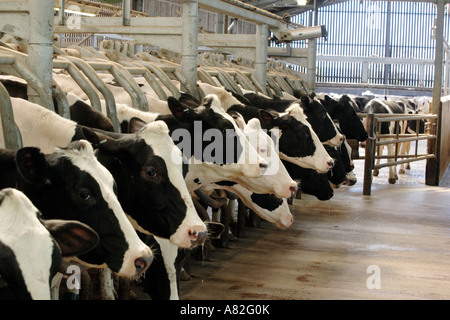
[262, 34]
[126, 12]
[189, 41]
[432, 168]
[40, 50]
[312, 51]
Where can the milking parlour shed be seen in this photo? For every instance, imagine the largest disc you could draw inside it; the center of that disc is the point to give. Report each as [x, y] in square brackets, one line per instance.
[380, 238]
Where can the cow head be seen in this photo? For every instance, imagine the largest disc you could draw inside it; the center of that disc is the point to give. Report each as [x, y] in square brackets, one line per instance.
[275, 179]
[147, 167]
[320, 121]
[343, 111]
[31, 249]
[215, 148]
[71, 184]
[299, 143]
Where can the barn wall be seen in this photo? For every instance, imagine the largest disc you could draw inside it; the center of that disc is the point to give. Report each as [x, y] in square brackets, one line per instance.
[360, 29]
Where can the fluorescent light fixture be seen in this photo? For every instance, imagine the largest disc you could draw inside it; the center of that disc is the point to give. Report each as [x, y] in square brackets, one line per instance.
[77, 12]
[302, 2]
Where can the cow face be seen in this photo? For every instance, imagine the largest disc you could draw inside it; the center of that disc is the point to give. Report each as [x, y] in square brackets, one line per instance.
[342, 111]
[31, 250]
[313, 183]
[147, 167]
[215, 147]
[320, 121]
[71, 184]
[275, 179]
[298, 142]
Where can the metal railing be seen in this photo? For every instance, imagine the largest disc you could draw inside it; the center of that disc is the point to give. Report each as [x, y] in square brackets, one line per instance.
[375, 70]
[376, 139]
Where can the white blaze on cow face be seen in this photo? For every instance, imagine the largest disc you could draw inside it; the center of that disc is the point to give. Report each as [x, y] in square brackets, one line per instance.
[156, 134]
[30, 241]
[320, 160]
[275, 179]
[86, 161]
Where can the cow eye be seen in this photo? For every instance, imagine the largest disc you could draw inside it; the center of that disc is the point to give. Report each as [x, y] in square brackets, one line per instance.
[151, 173]
[84, 194]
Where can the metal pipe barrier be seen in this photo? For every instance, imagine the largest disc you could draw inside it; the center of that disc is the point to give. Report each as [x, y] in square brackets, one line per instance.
[376, 139]
[11, 134]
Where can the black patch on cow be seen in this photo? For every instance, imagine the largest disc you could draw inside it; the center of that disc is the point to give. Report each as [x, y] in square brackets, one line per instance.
[312, 182]
[61, 190]
[343, 111]
[226, 183]
[145, 190]
[196, 122]
[267, 201]
[12, 283]
[156, 282]
[84, 114]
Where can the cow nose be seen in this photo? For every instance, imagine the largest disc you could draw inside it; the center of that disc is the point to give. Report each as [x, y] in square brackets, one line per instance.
[330, 164]
[197, 238]
[142, 263]
[293, 190]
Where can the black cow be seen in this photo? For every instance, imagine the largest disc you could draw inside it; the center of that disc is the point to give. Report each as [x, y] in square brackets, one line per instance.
[343, 109]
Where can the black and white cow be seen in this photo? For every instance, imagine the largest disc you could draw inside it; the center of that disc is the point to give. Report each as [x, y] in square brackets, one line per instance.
[142, 163]
[298, 142]
[311, 182]
[223, 153]
[343, 110]
[70, 184]
[394, 106]
[147, 167]
[31, 249]
[314, 111]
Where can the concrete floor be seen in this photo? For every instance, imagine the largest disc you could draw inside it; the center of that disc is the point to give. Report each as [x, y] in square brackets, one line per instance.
[394, 244]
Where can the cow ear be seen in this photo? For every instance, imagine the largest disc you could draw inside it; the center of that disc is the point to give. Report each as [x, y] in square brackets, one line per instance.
[135, 125]
[305, 101]
[268, 118]
[178, 110]
[86, 133]
[31, 164]
[73, 237]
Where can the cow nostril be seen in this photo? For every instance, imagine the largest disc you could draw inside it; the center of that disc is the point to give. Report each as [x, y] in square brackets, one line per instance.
[293, 190]
[142, 263]
[330, 164]
[263, 165]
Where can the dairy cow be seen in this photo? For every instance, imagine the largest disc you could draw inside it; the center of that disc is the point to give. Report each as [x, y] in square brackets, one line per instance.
[314, 111]
[70, 184]
[31, 249]
[343, 110]
[394, 106]
[147, 168]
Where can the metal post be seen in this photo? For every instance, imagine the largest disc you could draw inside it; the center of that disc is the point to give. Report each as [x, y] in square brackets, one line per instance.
[220, 24]
[432, 167]
[312, 48]
[262, 33]
[40, 49]
[126, 12]
[369, 155]
[189, 41]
